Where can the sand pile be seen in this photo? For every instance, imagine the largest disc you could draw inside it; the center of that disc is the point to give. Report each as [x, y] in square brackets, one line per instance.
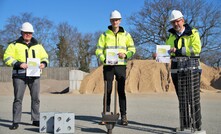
[143, 76]
[211, 78]
[148, 76]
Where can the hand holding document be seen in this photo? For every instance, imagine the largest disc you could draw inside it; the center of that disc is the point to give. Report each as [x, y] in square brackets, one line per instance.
[33, 67]
[111, 56]
[163, 55]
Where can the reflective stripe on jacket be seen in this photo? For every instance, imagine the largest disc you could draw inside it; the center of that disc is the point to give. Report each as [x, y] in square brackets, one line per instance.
[188, 44]
[122, 41]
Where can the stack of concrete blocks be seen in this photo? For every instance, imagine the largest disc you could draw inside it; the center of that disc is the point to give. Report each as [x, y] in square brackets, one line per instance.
[57, 123]
[75, 78]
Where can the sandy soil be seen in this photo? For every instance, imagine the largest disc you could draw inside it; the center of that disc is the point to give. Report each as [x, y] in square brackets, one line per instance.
[143, 76]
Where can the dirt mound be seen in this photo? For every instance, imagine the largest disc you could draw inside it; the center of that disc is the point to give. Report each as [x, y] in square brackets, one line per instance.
[148, 76]
[143, 76]
[211, 78]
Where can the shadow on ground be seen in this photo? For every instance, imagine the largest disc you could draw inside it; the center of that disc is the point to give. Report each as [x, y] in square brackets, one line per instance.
[155, 129]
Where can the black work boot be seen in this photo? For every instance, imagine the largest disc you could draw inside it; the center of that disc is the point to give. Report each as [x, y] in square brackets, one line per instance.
[107, 111]
[35, 123]
[14, 126]
[124, 120]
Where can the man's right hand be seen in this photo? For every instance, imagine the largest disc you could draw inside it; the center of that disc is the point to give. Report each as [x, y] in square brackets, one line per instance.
[24, 66]
[173, 50]
[154, 55]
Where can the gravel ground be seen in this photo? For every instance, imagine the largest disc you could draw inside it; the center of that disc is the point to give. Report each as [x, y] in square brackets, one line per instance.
[152, 113]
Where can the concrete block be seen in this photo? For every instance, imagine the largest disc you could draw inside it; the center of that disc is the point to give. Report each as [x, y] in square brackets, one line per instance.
[46, 122]
[74, 85]
[64, 123]
[76, 75]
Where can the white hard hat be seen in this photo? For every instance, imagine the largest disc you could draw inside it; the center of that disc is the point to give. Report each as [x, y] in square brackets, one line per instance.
[27, 27]
[115, 15]
[175, 14]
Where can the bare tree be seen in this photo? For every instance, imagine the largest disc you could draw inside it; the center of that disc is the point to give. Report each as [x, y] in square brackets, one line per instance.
[95, 59]
[67, 50]
[151, 24]
[42, 26]
[62, 54]
[84, 52]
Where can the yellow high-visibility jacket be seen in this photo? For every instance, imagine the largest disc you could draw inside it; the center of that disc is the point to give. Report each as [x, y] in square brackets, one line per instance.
[188, 44]
[17, 53]
[122, 41]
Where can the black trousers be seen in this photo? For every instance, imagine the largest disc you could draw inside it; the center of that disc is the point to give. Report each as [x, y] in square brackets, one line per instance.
[119, 71]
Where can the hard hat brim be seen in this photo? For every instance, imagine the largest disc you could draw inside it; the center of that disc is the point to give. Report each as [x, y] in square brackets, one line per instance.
[175, 19]
[114, 18]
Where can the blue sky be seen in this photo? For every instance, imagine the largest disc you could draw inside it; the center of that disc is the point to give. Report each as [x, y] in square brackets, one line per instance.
[88, 16]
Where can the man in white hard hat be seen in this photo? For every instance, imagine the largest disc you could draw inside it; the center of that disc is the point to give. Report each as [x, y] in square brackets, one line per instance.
[184, 41]
[16, 56]
[120, 42]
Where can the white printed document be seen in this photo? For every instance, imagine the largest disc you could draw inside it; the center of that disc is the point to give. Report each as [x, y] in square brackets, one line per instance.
[33, 67]
[163, 55]
[111, 56]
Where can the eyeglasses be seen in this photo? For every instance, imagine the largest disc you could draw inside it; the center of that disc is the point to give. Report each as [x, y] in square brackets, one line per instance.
[27, 32]
[112, 20]
[175, 21]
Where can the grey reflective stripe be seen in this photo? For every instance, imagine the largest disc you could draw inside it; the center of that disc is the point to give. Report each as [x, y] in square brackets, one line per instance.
[116, 47]
[110, 47]
[183, 51]
[173, 71]
[191, 51]
[121, 60]
[9, 58]
[126, 33]
[122, 47]
[130, 47]
[99, 47]
[174, 60]
[13, 63]
[99, 54]
[19, 71]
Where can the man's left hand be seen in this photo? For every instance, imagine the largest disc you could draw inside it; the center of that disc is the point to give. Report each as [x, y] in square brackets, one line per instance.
[121, 55]
[42, 66]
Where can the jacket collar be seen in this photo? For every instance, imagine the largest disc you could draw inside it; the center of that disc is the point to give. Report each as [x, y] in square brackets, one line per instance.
[21, 40]
[121, 29]
[188, 30]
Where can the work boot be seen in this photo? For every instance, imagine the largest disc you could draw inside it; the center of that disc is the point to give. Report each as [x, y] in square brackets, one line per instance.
[14, 126]
[198, 128]
[124, 120]
[35, 123]
[102, 123]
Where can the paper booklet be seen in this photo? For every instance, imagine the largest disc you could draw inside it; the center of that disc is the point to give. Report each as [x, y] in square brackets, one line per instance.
[33, 67]
[111, 56]
[163, 55]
